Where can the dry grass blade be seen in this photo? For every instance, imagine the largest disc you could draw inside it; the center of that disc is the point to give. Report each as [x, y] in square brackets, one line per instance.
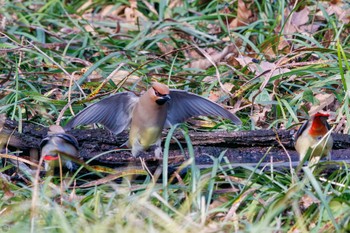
[113, 177]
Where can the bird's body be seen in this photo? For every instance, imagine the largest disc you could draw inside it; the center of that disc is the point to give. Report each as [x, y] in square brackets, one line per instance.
[146, 129]
[313, 134]
[148, 114]
[58, 143]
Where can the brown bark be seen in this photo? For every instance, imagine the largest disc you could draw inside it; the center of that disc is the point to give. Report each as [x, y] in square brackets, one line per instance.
[240, 146]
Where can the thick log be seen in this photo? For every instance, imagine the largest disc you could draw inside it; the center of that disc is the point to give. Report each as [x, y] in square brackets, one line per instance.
[239, 146]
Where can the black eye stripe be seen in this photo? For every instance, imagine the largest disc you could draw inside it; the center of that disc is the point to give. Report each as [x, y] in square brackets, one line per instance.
[157, 93]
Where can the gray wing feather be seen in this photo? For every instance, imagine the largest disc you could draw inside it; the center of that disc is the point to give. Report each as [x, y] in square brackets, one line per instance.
[302, 128]
[184, 105]
[69, 139]
[113, 112]
[44, 142]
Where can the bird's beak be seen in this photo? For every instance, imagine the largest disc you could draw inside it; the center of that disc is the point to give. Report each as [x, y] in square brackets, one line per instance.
[163, 99]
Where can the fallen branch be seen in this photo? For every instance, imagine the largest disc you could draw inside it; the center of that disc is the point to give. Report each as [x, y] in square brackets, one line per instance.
[241, 146]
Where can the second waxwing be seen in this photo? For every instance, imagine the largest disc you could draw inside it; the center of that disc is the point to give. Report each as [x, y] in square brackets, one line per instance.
[148, 114]
[313, 135]
[58, 143]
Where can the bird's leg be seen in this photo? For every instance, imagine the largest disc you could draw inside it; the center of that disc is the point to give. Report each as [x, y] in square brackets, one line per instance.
[314, 160]
[69, 165]
[47, 166]
[125, 144]
[136, 148]
[158, 152]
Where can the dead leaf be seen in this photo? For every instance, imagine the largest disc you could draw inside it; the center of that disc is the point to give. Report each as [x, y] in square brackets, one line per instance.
[344, 16]
[221, 200]
[275, 46]
[244, 14]
[325, 100]
[132, 15]
[310, 29]
[175, 3]
[231, 60]
[132, 79]
[112, 177]
[216, 95]
[297, 22]
[262, 67]
[300, 17]
[216, 57]
[150, 7]
[214, 29]
[85, 6]
[166, 44]
[4, 185]
[259, 116]
[111, 11]
[339, 8]
[306, 201]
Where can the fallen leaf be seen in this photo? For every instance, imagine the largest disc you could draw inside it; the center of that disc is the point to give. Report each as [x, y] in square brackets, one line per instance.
[259, 116]
[338, 8]
[216, 95]
[245, 15]
[273, 47]
[121, 74]
[325, 100]
[344, 16]
[300, 17]
[216, 57]
[312, 28]
[4, 185]
[306, 201]
[132, 15]
[262, 67]
[231, 60]
[85, 6]
[112, 177]
[111, 11]
[296, 22]
[150, 7]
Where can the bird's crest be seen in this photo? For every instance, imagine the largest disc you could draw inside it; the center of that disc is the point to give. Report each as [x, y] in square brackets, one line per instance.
[55, 129]
[162, 89]
[319, 114]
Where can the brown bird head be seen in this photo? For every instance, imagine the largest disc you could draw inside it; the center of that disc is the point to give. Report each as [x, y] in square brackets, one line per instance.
[54, 129]
[159, 93]
[319, 126]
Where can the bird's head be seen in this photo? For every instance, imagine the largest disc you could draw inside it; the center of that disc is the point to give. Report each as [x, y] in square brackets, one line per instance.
[159, 93]
[319, 126]
[55, 129]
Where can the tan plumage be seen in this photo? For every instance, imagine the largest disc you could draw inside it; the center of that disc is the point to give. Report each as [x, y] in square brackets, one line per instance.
[58, 143]
[147, 115]
[312, 134]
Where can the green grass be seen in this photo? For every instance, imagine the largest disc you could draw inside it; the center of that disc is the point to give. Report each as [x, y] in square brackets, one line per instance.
[48, 53]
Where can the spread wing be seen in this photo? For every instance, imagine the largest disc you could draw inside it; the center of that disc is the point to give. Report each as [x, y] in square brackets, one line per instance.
[113, 112]
[184, 105]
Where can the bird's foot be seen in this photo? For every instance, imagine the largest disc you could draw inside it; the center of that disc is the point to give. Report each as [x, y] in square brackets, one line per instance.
[158, 152]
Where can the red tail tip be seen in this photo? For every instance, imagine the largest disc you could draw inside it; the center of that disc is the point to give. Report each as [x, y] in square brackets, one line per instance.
[50, 157]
